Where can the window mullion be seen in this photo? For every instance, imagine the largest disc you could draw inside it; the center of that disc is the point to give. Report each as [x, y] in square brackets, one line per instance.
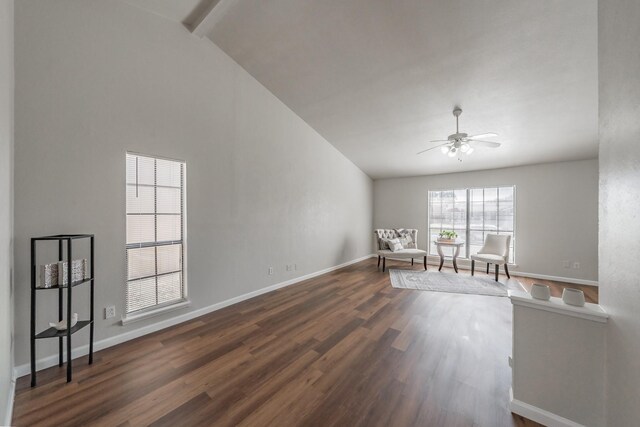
[483, 215]
[155, 222]
[498, 210]
[182, 236]
[468, 230]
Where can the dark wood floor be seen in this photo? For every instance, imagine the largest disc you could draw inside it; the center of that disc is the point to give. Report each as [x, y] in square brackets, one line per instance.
[343, 349]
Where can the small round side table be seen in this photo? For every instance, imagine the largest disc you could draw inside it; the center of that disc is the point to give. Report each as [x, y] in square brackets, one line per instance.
[454, 244]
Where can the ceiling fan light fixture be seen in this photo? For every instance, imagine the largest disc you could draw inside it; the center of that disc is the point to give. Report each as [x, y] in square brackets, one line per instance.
[460, 143]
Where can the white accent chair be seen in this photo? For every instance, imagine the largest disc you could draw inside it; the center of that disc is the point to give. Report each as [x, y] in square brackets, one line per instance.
[495, 251]
[411, 251]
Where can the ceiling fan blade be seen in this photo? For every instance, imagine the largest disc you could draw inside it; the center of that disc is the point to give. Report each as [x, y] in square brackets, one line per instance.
[440, 140]
[486, 144]
[429, 149]
[482, 135]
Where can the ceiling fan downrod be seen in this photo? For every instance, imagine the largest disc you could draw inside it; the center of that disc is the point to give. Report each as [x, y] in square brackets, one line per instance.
[456, 112]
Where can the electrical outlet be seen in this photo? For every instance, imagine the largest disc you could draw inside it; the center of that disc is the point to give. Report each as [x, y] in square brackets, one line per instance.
[270, 271]
[565, 264]
[110, 311]
[295, 267]
[576, 264]
[287, 267]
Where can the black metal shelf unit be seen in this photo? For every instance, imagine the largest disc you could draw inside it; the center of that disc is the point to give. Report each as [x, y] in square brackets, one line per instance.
[53, 332]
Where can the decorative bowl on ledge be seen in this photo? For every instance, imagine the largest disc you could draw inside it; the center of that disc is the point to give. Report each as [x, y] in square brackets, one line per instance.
[573, 297]
[541, 292]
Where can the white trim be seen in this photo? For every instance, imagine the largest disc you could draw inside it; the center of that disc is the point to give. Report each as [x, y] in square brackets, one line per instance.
[131, 318]
[150, 156]
[557, 278]
[10, 399]
[52, 360]
[590, 311]
[539, 415]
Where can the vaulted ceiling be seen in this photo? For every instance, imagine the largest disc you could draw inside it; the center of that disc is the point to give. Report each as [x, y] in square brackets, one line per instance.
[379, 78]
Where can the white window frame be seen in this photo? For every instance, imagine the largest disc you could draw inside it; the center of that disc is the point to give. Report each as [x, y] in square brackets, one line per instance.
[467, 226]
[174, 304]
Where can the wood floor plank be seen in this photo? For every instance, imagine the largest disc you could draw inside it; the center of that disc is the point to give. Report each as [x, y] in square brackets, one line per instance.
[343, 349]
[183, 413]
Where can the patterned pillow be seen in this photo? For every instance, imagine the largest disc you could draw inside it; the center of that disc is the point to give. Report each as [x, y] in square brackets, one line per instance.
[383, 244]
[406, 241]
[394, 244]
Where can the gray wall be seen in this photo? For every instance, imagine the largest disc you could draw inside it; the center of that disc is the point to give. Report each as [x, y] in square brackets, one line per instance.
[6, 203]
[619, 69]
[556, 211]
[95, 79]
[558, 363]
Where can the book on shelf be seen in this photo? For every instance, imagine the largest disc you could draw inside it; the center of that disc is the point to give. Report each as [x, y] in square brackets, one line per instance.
[78, 271]
[48, 275]
[56, 273]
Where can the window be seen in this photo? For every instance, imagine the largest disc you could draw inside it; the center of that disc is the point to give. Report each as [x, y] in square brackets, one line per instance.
[473, 213]
[155, 232]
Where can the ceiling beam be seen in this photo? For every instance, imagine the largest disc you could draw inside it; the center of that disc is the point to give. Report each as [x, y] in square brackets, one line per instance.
[204, 23]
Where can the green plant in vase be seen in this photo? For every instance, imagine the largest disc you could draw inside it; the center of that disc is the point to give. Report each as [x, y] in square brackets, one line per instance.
[447, 235]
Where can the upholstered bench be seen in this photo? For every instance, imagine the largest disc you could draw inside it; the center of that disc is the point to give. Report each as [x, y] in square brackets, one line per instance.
[409, 250]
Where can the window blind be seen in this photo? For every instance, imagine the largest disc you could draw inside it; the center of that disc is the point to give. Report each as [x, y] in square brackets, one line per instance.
[473, 213]
[155, 244]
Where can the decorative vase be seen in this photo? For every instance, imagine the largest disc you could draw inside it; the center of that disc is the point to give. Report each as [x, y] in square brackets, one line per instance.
[541, 292]
[573, 297]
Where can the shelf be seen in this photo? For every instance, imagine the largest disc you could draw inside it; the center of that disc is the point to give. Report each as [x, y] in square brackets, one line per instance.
[589, 311]
[73, 284]
[68, 240]
[64, 237]
[54, 333]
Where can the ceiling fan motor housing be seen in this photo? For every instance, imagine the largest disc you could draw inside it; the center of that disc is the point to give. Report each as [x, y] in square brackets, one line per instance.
[457, 136]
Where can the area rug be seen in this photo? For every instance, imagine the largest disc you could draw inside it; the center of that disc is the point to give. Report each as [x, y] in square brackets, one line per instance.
[437, 281]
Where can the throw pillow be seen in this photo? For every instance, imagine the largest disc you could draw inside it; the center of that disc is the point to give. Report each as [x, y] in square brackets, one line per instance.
[406, 241]
[383, 243]
[394, 244]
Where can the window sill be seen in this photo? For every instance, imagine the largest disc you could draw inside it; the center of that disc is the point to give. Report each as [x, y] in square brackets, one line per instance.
[154, 312]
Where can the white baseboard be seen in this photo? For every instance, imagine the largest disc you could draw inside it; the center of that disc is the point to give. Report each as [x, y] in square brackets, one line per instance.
[539, 415]
[464, 265]
[10, 399]
[80, 351]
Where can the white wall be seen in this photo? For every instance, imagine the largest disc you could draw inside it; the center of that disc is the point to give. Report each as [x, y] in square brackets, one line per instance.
[619, 68]
[96, 78]
[558, 362]
[6, 205]
[556, 212]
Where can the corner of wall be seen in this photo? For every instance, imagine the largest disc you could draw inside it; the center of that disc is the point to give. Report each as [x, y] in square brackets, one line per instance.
[7, 89]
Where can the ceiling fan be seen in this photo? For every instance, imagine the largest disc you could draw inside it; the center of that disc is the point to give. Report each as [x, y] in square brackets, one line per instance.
[460, 143]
